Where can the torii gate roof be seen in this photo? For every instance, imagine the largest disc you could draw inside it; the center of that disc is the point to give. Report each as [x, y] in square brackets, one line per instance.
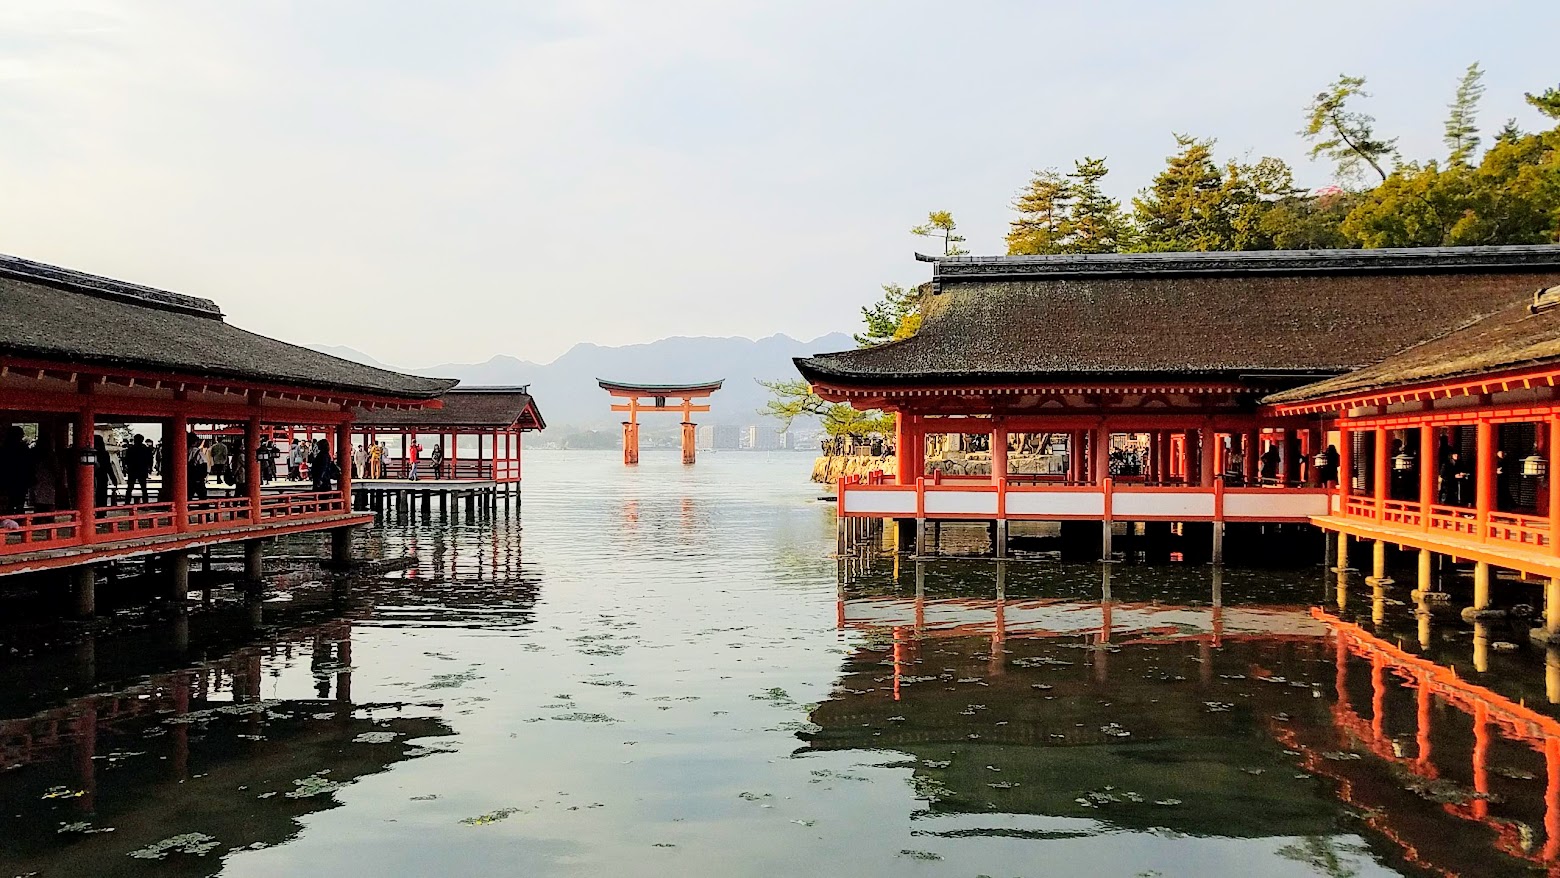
[623, 388]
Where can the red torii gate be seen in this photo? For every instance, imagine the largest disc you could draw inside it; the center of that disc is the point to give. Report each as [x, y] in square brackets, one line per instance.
[658, 394]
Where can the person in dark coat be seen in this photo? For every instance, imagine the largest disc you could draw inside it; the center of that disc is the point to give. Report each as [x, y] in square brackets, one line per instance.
[138, 468]
[1327, 473]
[321, 467]
[16, 471]
[103, 474]
[1270, 460]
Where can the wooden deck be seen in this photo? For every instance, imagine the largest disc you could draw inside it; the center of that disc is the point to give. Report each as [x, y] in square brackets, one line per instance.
[117, 550]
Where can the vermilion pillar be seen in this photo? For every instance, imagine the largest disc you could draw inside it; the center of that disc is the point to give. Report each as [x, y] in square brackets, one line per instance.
[1345, 465]
[1099, 456]
[1207, 446]
[343, 457]
[1251, 446]
[252, 465]
[689, 446]
[630, 443]
[176, 469]
[999, 451]
[902, 433]
[1427, 473]
[86, 481]
[1484, 474]
[1381, 478]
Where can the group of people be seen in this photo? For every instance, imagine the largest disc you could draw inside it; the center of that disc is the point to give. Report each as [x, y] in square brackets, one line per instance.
[34, 471]
[35, 474]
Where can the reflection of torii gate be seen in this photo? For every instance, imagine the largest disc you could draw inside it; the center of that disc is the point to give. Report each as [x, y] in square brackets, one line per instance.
[658, 394]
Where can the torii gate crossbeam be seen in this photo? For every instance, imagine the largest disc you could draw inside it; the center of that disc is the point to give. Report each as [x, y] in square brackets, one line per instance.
[658, 396]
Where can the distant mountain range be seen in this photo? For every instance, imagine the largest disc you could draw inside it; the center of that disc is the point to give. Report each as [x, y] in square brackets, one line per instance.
[566, 390]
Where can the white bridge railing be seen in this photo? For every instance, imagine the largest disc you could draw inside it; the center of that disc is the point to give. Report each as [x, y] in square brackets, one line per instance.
[877, 498]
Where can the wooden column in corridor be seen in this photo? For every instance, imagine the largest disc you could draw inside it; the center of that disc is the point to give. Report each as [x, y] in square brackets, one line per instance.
[86, 473]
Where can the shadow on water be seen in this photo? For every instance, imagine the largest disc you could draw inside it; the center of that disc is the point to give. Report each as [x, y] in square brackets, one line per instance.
[676, 676]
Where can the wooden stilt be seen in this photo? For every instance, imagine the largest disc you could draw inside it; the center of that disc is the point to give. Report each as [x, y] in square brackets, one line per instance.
[179, 576]
[85, 591]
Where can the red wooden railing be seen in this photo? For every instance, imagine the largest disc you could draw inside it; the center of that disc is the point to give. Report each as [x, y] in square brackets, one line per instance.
[1502, 528]
[301, 504]
[1522, 530]
[38, 531]
[220, 512]
[30, 532]
[135, 520]
[473, 470]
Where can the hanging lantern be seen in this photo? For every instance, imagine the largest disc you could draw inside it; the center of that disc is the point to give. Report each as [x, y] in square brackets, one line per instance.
[1403, 462]
[1534, 466]
[87, 456]
[1320, 459]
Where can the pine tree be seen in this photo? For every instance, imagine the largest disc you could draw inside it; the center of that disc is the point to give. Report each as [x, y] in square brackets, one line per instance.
[1042, 208]
[940, 224]
[1546, 102]
[1097, 223]
[1346, 136]
[1181, 209]
[1462, 130]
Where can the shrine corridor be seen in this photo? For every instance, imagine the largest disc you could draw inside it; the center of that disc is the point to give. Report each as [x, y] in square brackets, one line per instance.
[664, 670]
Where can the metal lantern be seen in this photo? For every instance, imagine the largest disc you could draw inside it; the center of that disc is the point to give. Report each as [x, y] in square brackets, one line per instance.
[1534, 466]
[1320, 459]
[1403, 462]
[86, 456]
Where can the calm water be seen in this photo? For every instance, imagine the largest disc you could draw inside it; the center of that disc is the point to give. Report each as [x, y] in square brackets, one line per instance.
[661, 672]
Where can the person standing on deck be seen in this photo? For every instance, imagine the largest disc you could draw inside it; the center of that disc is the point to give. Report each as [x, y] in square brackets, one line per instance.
[322, 469]
[218, 453]
[295, 461]
[267, 454]
[49, 479]
[376, 461]
[412, 454]
[138, 467]
[1327, 473]
[1270, 461]
[197, 466]
[103, 472]
[16, 470]
[437, 456]
[360, 461]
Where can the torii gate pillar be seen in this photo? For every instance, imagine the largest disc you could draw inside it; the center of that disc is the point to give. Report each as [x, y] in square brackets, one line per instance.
[630, 443]
[688, 445]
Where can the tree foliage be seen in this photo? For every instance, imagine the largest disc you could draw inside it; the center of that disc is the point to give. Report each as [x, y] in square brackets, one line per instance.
[1506, 195]
[1196, 204]
[1344, 134]
[895, 316]
[940, 224]
[1069, 214]
[792, 399]
[1462, 127]
[1546, 102]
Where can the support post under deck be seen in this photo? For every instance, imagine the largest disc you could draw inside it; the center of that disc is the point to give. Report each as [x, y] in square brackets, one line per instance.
[85, 591]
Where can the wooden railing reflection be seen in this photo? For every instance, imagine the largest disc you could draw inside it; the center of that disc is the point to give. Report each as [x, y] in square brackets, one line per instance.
[1490, 714]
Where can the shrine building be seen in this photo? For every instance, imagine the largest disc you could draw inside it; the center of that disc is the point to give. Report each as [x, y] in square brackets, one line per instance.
[83, 356]
[1197, 391]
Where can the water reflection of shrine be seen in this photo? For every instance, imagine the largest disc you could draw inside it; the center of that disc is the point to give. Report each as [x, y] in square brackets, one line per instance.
[200, 749]
[1213, 717]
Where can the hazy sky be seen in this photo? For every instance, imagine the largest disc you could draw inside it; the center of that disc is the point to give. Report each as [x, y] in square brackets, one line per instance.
[429, 182]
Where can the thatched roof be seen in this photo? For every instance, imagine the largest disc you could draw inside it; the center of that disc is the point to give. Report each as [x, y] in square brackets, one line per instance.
[56, 314]
[1516, 336]
[1285, 315]
[494, 408]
